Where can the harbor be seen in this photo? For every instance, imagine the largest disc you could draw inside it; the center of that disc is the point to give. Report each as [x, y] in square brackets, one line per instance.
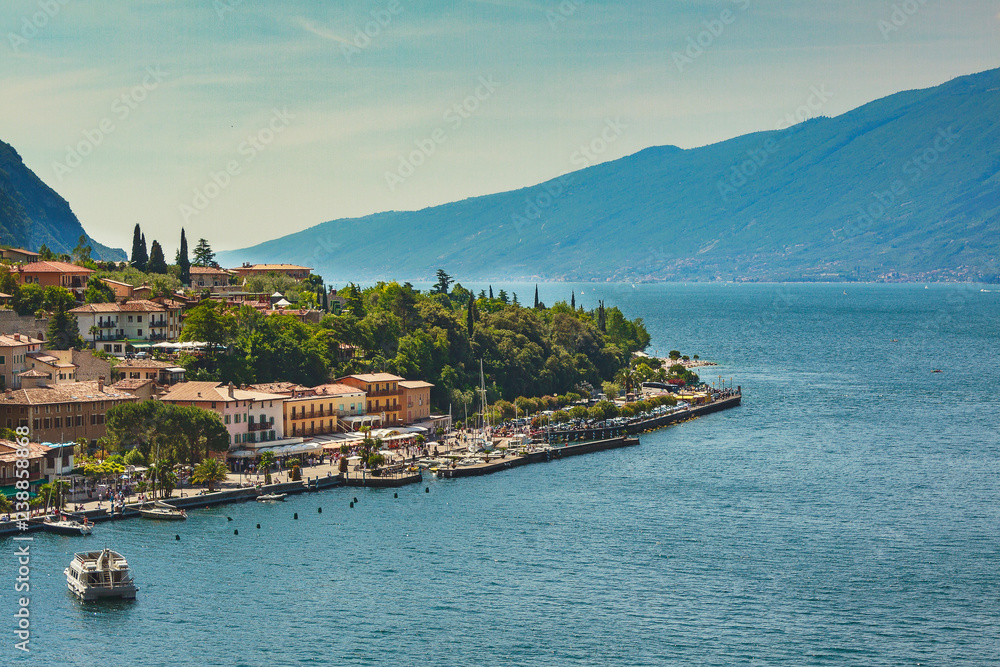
[403, 472]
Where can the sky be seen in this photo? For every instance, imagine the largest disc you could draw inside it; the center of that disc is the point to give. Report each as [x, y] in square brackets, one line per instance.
[245, 120]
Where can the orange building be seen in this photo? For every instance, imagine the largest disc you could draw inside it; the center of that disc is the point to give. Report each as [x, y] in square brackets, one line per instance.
[383, 395]
[416, 400]
[54, 274]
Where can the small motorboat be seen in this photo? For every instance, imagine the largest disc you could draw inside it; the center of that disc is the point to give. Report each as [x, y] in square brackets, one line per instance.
[100, 574]
[162, 511]
[68, 526]
[271, 497]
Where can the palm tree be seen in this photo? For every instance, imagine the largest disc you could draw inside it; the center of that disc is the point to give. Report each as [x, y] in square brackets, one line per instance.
[626, 376]
[266, 461]
[208, 472]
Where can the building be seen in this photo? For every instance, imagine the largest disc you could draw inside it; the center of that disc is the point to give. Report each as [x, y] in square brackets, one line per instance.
[87, 366]
[318, 411]
[14, 351]
[19, 255]
[250, 416]
[144, 390]
[291, 270]
[383, 395]
[207, 277]
[58, 370]
[60, 412]
[54, 274]
[416, 400]
[123, 291]
[159, 372]
[112, 327]
[8, 466]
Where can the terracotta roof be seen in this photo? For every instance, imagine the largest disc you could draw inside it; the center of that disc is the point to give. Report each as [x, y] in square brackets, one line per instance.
[71, 392]
[22, 251]
[337, 389]
[214, 391]
[47, 359]
[142, 363]
[115, 282]
[8, 340]
[278, 387]
[53, 267]
[8, 450]
[415, 384]
[135, 306]
[133, 383]
[35, 374]
[376, 377]
[208, 270]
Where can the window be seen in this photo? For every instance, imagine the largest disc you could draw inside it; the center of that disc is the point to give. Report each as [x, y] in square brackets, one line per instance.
[139, 332]
[228, 419]
[79, 420]
[58, 422]
[3, 360]
[139, 319]
[107, 348]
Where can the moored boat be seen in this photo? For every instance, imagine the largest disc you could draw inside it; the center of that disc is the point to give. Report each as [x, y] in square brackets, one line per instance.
[68, 526]
[162, 511]
[270, 497]
[100, 574]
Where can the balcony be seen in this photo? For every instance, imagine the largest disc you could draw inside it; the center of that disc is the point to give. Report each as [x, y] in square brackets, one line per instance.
[106, 325]
[254, 427]
[385, 392]
[158, 323]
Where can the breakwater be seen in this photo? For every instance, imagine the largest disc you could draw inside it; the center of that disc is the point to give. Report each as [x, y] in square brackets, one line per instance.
[540, 456]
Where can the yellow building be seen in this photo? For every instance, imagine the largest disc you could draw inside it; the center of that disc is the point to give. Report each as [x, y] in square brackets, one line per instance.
[416, 400]
[383, 395]
[315, 411]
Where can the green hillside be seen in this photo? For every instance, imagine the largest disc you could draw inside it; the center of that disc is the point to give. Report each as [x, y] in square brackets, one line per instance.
[32, 214]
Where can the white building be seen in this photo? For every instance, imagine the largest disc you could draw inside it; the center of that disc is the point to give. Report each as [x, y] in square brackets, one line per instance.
[111, 327]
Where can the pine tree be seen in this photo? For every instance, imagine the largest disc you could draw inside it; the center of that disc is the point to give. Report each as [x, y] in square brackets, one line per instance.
[157, 262]
[63, 331]
[139, 256]
[514, 300]
[470, 316]
[183, 261]
[203, 255]
[572, 300]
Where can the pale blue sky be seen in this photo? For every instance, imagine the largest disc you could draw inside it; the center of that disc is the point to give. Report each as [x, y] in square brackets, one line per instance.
[555, 72]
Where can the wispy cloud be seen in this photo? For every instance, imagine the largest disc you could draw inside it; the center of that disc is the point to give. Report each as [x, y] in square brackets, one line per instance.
[311, 26]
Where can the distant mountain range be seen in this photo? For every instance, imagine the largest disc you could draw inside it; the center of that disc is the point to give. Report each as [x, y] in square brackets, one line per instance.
[909, 185]
[32, 214]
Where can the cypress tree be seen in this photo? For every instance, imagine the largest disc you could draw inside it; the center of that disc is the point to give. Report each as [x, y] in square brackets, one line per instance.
[601, 321]
[491, 292]
[470, 316]
[572, 300]
[536, 296]
[157, 262]
[183, 261]
[138, 249]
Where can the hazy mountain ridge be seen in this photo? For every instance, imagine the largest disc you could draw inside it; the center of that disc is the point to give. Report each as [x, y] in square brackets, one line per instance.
[32, 213]
[909, 183]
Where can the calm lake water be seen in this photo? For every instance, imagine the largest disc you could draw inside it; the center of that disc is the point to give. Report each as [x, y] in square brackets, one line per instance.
[847, 514]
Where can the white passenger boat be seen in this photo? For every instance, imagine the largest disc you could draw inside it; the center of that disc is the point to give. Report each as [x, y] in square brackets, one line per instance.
[100, 574]
[271, 497]
[162, 511]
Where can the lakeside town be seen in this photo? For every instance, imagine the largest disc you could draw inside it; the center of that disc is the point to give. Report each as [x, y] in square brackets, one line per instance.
[127, 378]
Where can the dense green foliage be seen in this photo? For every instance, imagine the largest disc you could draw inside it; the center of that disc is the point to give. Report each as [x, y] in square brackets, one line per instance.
[157, 262]
[63, 331]
[31, 298]
[98, 292]
[182, 434]
[418, 336]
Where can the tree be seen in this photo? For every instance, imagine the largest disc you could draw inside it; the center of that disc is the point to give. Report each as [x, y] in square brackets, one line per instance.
[444, 281]
[64, 331]
[139, 256]
[536, 296]
[98, 291]
[504, 299]
[28, 299]
[491, 292]
[470, 317]
[572, 300]
[157, 262]
[203, 255]
[675, 354]
[183, 260]
[81, 253]
[45, 254]
[265, 463]
[208, 472]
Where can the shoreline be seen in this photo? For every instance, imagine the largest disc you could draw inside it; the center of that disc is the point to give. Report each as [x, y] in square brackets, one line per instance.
[624, 436]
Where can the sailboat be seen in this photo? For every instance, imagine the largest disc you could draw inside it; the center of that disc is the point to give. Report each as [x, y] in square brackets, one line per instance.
[159, 509]
[484, 442]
